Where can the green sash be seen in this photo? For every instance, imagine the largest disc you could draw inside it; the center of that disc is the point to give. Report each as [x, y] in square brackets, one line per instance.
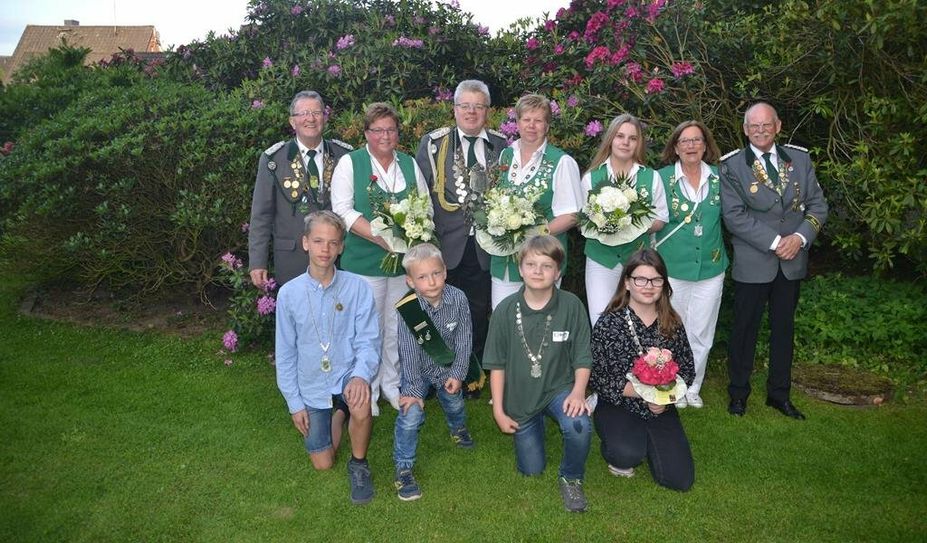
[425, 332]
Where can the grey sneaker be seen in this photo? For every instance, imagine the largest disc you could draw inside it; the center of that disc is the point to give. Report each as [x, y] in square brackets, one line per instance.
[620, 472]
[462, 438]
[361, 482]
[571, 491]
[406, 486]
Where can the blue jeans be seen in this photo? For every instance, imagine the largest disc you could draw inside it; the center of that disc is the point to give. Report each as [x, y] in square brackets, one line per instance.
[576, 432]
[405, 437]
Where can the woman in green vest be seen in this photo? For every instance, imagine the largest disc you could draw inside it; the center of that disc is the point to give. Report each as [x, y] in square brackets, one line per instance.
[691, 243]
[376, 173]
[622, 153]
[533, 162]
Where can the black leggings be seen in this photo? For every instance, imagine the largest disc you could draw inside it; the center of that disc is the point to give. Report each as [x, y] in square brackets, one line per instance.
[627, 439]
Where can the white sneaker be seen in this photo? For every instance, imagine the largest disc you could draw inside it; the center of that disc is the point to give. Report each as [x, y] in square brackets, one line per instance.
[694, 400]
[681, 403]
[618, 472]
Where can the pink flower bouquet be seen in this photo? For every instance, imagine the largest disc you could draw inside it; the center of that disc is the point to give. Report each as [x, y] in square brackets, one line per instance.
[655, 378]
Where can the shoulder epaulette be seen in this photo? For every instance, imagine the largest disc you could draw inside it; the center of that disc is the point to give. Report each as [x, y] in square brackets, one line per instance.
[729, 155]
[440, 133]
[273, 148]
[346, 146]
[497, 133]
[797, 147]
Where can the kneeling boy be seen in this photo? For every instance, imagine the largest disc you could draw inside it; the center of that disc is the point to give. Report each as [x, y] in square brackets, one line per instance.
[327, 352]
[435, 343]
[539, 360]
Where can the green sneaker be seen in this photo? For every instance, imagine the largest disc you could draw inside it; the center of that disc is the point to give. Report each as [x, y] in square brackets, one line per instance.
[462, 438]
[406, 486]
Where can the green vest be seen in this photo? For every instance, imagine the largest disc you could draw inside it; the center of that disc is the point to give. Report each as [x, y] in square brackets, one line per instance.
[607, 255]
[687, 256]
[498, 264]
[360, 255]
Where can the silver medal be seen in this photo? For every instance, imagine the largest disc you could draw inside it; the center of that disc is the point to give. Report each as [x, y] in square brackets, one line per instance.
[698, 230]
[326, 364]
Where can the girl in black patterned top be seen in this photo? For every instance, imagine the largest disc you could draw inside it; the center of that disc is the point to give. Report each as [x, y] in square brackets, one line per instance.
[629, 427]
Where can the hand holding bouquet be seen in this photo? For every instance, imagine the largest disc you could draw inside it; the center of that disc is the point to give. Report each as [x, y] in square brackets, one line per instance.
[403, 224]
[614, 213]
[655, 378]
[507, 217]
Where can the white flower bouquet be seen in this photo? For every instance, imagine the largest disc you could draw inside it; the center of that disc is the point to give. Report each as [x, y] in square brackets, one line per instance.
[403, 224]
[615, 213]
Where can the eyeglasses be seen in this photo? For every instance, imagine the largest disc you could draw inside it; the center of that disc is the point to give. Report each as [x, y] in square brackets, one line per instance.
[762, 127]
[641, 281]
[381, 131]
[472, 107]
[690, 141]
[316, 114]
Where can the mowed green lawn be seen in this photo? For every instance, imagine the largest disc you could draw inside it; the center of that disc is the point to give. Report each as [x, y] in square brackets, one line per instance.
[116, 436]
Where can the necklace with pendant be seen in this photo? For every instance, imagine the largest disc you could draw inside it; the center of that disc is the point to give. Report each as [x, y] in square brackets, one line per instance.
[534, 358]
[325, 364]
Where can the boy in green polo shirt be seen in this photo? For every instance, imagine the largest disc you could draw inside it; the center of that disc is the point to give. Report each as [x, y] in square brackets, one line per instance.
[539, 360]
[435, 343]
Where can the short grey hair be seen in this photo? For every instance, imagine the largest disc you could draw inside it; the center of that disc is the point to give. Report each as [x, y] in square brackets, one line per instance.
[303, 95]
[325, 217]
[420, 252]
[472, 85]
[756, 105]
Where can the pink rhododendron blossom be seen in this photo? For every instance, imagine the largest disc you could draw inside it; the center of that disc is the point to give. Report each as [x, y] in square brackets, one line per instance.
[334, 70]
[296, 10]
[593, 128]
[655, 85]
[654, 8]
[574, 81]
[232, 261]
[681, 69]
[266, 305]
[257, 104]
[482, 31]
[634, 71]
[344, 42]
[433, 30]
[598, 53]
[230, 341]
[509, 128]
[295, 71]
[443, 95]
[455, 4]
[532, 44]
[550, 25]
[594, 25]
[631, 12]
[561, 13]
[572, 101]
[510, 113]
[612, 4]
[620, 55]
[573, 36]
[558, 49]
[270, 285]
[554, 108]
[408, 43]
[267, 63]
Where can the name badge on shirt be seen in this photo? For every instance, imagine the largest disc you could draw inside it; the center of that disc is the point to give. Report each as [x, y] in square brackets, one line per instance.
[451, 326]
[561, 336]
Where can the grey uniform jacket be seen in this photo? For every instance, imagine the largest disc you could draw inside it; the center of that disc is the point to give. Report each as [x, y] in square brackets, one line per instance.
[452, 226]
[278, 208]
[755, 212]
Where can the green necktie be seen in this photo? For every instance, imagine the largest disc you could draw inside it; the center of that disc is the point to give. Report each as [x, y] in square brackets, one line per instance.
[771, 170]
[313, 172]
[471, 153]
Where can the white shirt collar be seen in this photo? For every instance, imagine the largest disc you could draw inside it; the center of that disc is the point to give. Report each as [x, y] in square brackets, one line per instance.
[774, 154]
[460, 134]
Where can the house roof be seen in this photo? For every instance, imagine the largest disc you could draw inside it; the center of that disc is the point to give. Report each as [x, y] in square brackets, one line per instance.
[102, 41]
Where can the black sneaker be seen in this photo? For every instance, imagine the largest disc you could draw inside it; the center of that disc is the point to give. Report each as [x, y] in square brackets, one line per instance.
[462, 438]
[571, 491]
[361, 482]
[406, 486]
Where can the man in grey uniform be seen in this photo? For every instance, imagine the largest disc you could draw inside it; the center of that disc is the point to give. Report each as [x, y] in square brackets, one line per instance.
[774, 208]
[293, 180]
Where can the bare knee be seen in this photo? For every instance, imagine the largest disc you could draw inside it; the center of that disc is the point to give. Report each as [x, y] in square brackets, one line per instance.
[323, 460]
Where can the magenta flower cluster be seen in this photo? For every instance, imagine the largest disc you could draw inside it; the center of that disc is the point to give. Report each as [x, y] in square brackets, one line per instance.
[266, 305]
[334, 70]
[593, 129]
[482, 31]
[443, 95]
[296, 10]
[408, 43]
[267, 63]
[230, 341]
[232, 261]
[344, 42]
[295, 71]
[655, 85]
[682, 69]
[257, 104]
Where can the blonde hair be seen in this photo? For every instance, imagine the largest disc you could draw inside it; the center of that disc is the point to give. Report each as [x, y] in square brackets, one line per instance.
[533, 101]
[377, 111]
[327, 217]
[420, 252]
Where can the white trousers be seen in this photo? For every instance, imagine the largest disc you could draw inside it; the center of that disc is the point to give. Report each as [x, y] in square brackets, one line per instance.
[386, 292]
[697, 303]
[601, 283]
